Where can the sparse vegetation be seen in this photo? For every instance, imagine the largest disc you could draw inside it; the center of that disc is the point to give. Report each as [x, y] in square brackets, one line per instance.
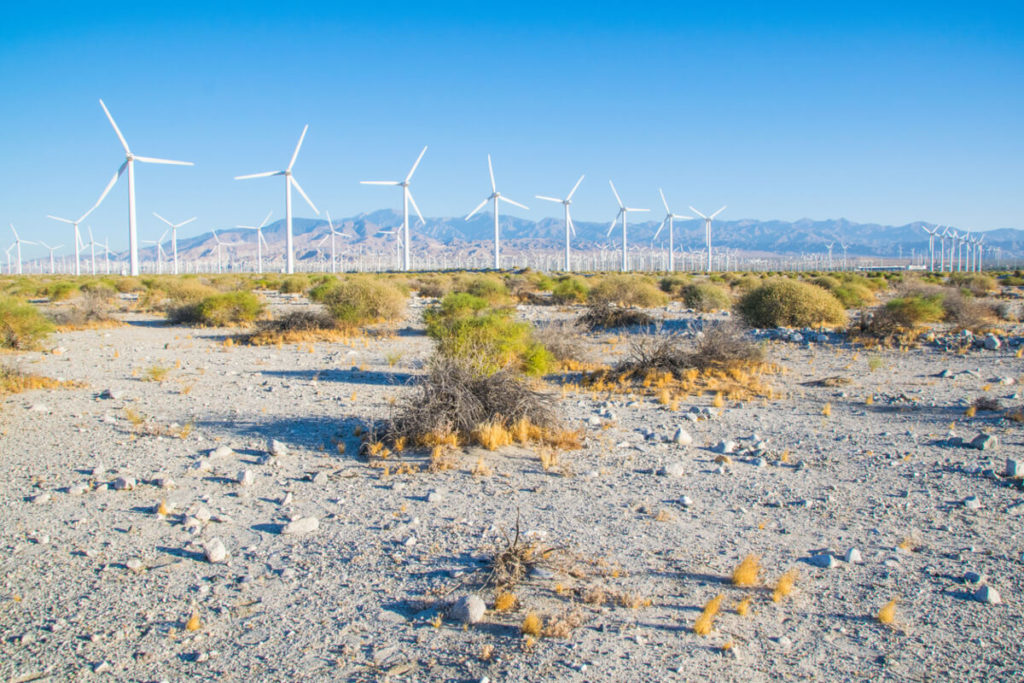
[22, 326]
[627, 290]
[603, 315]
[359, 301]
[706, 296]
[747, 572]
[221, 310]
[705, 622]
[782, 302]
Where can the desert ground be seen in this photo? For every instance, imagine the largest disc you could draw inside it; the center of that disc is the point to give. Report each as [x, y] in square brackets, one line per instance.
[152, 530]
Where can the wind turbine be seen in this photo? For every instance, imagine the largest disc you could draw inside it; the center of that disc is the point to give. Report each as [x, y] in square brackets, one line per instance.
[289, 181]
[497, 198]
[129, 165]
[931, 246]
[174, 236]
[942, 250]
[8, 252]
[17, 243]
[75, 224]
[260, 240]
[220, 244]
[977, 253]
[330, 226]
[160, 253]
[669, 217]
[406, 200]
[829, 247]
[623, 213]
[92, 249]
[707, 230]
[44, 245]
[569, 227]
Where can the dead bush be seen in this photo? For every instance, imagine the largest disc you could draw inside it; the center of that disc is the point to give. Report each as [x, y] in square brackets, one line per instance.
[603, 315]
[90, 309]
[967, 313]
[725, 344]
[988, 404]
[722, 345]
[563, 339]
[297, 326]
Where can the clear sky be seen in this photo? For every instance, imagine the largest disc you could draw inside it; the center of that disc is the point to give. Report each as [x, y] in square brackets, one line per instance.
[882, 112]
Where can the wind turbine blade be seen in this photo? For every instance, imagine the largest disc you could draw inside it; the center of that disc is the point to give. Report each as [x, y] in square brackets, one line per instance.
[664, 201]
[682, 218]
[298, 187]
[106, 191]
[514, 203]
[258, 175]
[617, 197]
[490, 169]
[698, 213]
[479, 206]
[323, 240]
[62, 220]
[16, 237]
[630, 208]
[418, 159]
[658, 231]
[612, 226]
[163, 235]
[574, 188]
[379, 182]
[260, 233]
[185, 222]
[161, 218]
[413, 202]
[548, 199]
[266, 219]
[295, 154]
[572, 226]
[717, 212]
[152, 160]
[124, 143]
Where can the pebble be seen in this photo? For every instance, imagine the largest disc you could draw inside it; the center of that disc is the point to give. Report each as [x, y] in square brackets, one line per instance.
[682, 437]
[124, 484]
[115, 394]
[164, 482]
[759, 462]
[673, 469]
[972, 503]
[853, 556]
[983, 442]
[992, 342]
[988, 595]
[1014, 468]
[302, 525]
[41, 498]
[469, 609]
[685, 501]
[277, 448]
[725, 447]
[824, 560]
[221, 452]
[435, 497]
[215, 552]
[973, 577]
[245, 478]
[320, 478]
[78, 489]
[40, 408]
[203, 514]
[135, 565]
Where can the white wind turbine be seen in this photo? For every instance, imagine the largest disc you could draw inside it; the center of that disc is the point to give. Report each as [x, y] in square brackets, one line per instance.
[569, 227]
[977, 253]
[44, 245]
[623, 213]
[829, 247]
[160, 253]
[942, 250]
[288, 183]
[497, 198]
[931, 246]
[174, 236]
[260, 240]
[707, 231]
[406, 200]
[669, 217]
[8, 252]
[17, 243]
[334, 233]
[78, 235]
[92, 249]
[220, 244]
[129, 165]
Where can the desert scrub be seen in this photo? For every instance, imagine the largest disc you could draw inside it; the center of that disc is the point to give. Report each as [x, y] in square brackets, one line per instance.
[88, 311]
[627, 290]
[851, 293]
[221, 310]
[468, 327]
[705, 296]
[13, 381]
[607, 316]
[977, 284]
[569, 290]
[296, 327]
[783, 302]
[22, 326]
[61, 291]
[363, 300]
[294, 284]
[166, 294]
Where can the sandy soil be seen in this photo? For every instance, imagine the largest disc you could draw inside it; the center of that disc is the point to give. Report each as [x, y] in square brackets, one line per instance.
[97, 584]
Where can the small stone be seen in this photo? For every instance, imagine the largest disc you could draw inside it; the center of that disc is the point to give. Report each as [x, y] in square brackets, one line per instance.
[287, 499]
[824, 560]
[685, 501]
[135, 565]
[469, 609]
[723, 460]
[203, 514]
[759, 462]
[78, 489]
[435, 497]
[113, 394]
[215, 552]
[725, 447]
[673, 469]
[988, 595]
[972, 503]
[41, 498]
[1014, 468]
[102, 668]
[221, 452]
[992, 342]
[202, 465]
[692, 417]
[784, 642]
[40, 408]
[302, 525]
[320, 478]
[277, 448]
[164, 483]
[682, 437]
[973, 577]
[124, 484]
[983, 442]
[853, 556]
[245, 478]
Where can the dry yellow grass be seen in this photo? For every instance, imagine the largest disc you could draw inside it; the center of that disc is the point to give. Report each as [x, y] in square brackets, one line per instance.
[784, 586]
[719, 400]
[743, 606]
[531, 625]
[492, 435]
[887, 614]
[706, 620]
[827, 410]
[193, 623]
[163, 509]
[971, 411]
[505, 601]
[482, 469]
[746, 572]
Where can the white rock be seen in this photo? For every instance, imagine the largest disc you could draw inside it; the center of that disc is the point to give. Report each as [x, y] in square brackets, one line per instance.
[682, 437]
[203, 514]
[853, 556]
[469, 609]
[320, 478]
[221, 452]
[673, 469]
[983, 442]
[302, 525]
[988, 595]
[276, 448]
[40, 408]
[725, 447]
[1014, 468]
[41, 498]
[287, 499]
[164, 482]
[825, 560]
[202, 465]
[78, 489]
[972, 503]
[245, 478]
[125, 484]
[685, 501]
[215, 552]
[435, 497]
[135, 564]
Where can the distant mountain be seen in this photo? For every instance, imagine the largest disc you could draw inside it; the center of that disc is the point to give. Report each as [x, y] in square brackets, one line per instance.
[375, 233]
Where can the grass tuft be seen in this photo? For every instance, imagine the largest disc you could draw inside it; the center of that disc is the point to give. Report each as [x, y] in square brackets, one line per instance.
[746, 572]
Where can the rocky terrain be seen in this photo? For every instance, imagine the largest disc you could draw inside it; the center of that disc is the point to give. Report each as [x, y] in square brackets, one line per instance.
[198, 509]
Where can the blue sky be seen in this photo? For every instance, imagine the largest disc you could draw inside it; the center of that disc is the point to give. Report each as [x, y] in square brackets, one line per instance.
[877, 112]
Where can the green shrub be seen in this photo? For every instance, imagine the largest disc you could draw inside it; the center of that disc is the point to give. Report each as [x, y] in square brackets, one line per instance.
[569, 290]
[220, 310]
[468, 327]
[294, 284]
[673, 284]
[487, 287]
[788, 303]
[62, 291]
[627, 290]
[915, 309]
[705, 296]
[21, 325]
[975, 283]
[363, 300]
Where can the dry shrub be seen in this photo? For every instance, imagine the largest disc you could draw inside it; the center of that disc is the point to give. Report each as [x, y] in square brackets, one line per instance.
[782, 302]
[510, 565]
[92, 309]
[505, 601]
[13, 381]
[887, 614]
[22, 326]
[987, 403]
[706, 296]
[453, 401]
[531, 625]
[746, 572]
[604, 315]
[723, 345]
[563, 339]
[295, 327]
[966, 313]
[627, 290]
[563, 625]
[785, 585]
[706, 620]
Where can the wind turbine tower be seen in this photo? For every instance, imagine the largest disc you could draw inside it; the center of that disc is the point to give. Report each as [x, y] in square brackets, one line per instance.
[174, 236]
[497, 198]
[260, 240]
[623, 214]
[406, 200]
[569, 227]
[669, 216]
[707, 231]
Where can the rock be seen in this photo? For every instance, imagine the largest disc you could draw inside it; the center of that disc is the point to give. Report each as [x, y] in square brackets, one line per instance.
[40, 408]
[320, 478]
[276, 448]
[759, 462]
[221, 452]
[946, 374]
[824, 560]
[78, 489]
[992, 342]
[973, 577]
[215, 552]
[302, 525]
[40, 498]
[203, 514]
[723, 460]
[972, 503]
[984, 442]
[164, 482]
[469, 609]
[853, 556]
[682, 437]
[725, 447]
[594, 421]
[202, 465]
[1007, 381]
[988, 595]
[784, 642]
[692, 417]
[113, 394]
[286, 499]
[245, 478]
[124, 484]
[1014, 468]
[673, 469]
[135, 565]
[102, 668]
[435, 497]
[685, 501]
